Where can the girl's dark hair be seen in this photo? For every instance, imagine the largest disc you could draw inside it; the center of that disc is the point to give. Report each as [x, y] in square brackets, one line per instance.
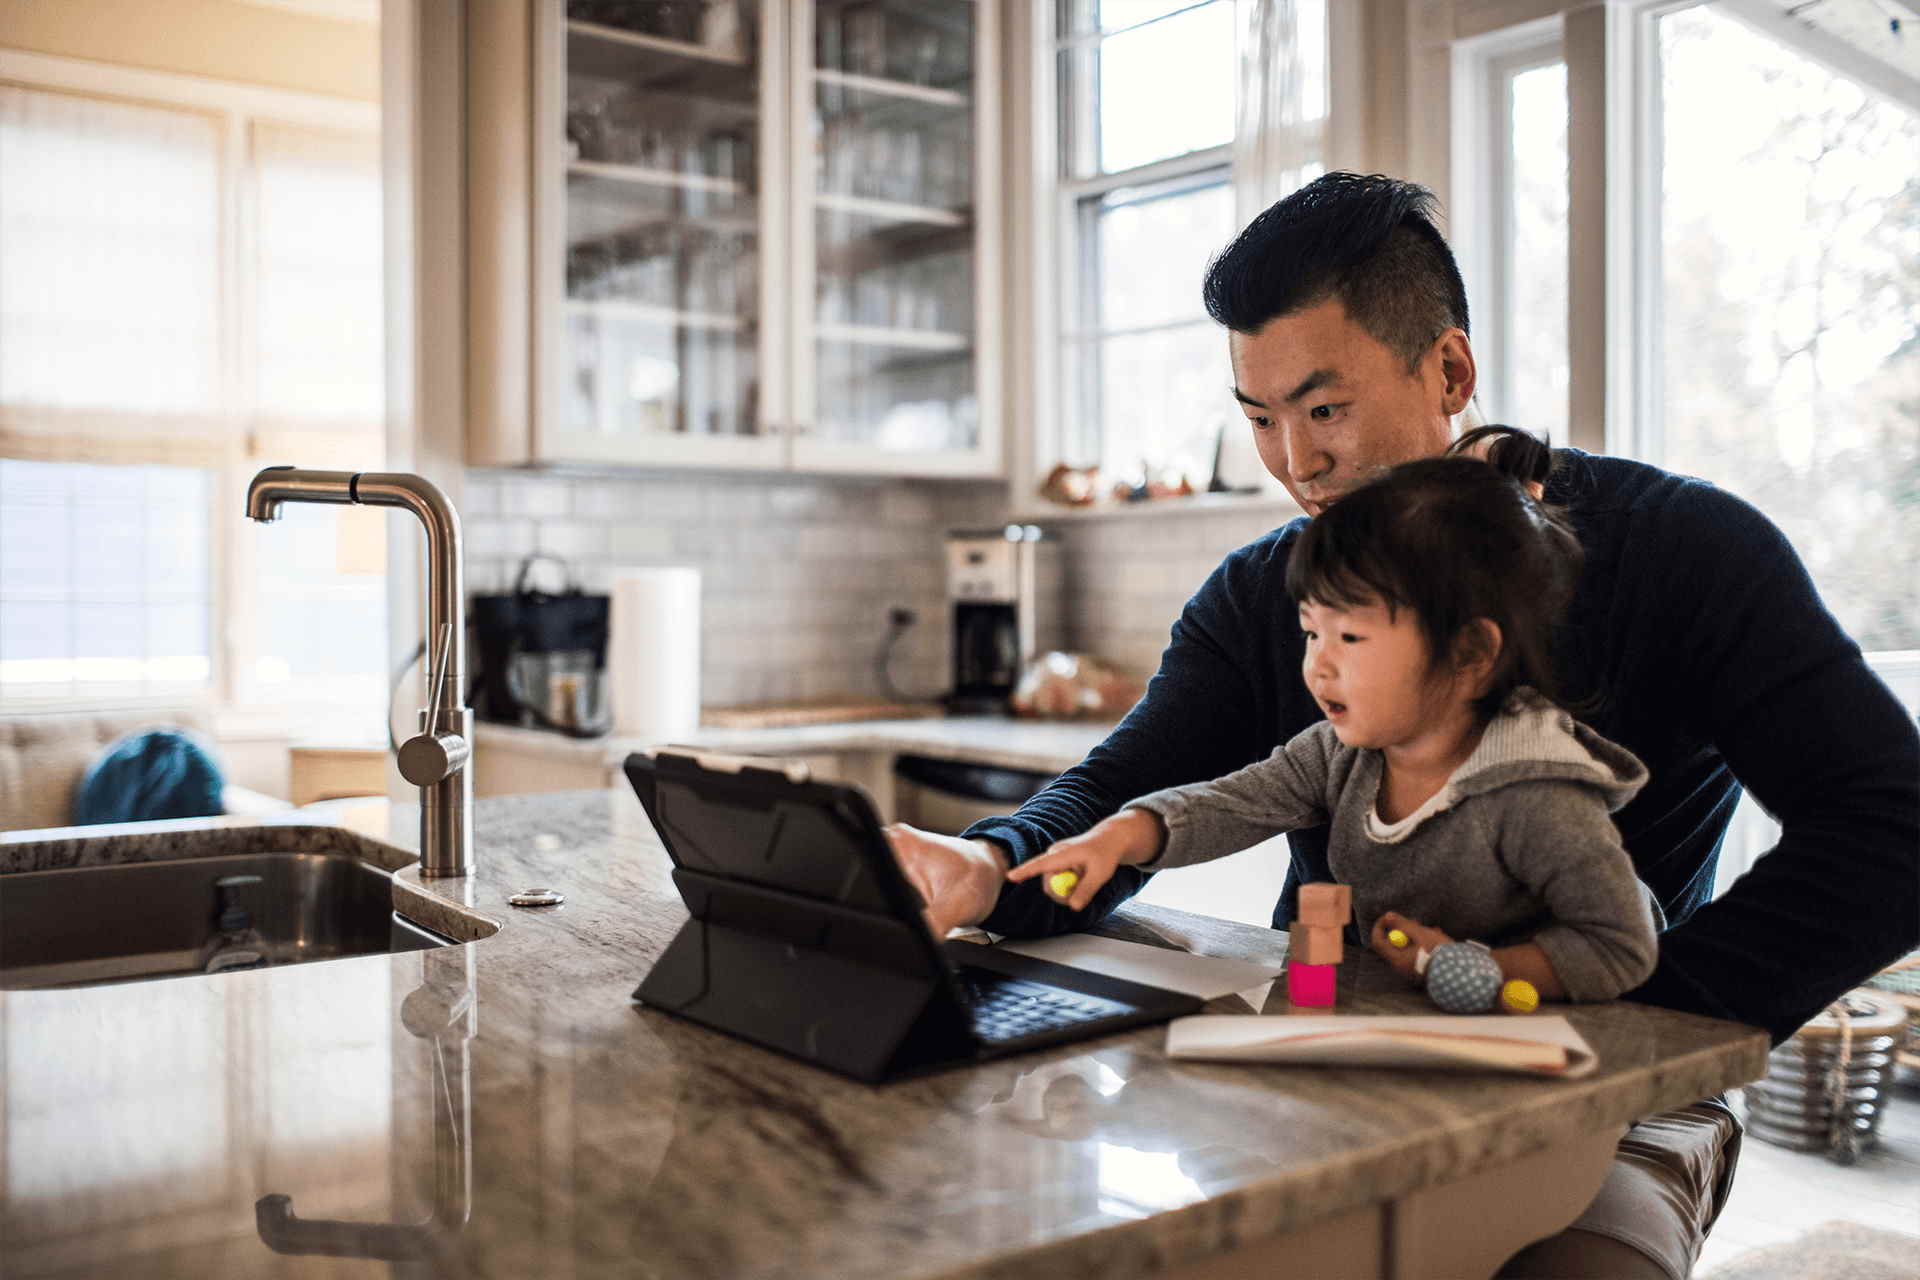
[1453, 538]
[1369, 240]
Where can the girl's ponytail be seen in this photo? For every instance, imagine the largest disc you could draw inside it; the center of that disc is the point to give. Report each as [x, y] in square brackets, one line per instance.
[1510, 451]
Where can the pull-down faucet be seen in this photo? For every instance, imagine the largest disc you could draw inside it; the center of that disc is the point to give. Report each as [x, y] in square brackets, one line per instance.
[435, 759]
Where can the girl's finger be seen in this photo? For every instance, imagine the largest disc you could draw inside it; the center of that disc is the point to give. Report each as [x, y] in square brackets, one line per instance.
[1083, 893]
[1051, 860]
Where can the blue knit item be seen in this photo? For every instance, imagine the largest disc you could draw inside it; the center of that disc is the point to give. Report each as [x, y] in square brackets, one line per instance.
[151, 773]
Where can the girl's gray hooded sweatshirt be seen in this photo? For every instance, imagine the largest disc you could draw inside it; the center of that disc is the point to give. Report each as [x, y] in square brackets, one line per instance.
[1517, 846]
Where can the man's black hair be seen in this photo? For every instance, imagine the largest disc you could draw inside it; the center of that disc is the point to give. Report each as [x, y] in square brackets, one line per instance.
[1454, 538]
[1370, 241]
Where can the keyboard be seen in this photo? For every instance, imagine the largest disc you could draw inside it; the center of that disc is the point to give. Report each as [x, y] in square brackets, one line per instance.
[1006, 1008]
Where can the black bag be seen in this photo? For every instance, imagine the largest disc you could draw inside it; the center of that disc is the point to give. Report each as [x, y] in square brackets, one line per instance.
[541, 658]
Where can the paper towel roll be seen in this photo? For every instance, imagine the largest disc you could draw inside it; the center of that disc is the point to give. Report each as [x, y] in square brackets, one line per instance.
[653, 653]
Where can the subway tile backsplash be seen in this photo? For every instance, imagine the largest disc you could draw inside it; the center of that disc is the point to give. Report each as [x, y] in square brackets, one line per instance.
[798, 573]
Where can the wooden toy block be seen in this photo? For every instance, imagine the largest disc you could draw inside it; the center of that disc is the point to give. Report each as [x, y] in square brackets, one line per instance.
[1315, 943]
[1312, 984]
[1325, 903]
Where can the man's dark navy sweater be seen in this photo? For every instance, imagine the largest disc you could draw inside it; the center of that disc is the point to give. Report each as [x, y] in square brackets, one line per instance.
[1711, 657]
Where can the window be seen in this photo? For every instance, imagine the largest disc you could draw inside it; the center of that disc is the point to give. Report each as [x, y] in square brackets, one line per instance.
[190, 288]
[1532, 368]
[1145, 199]
[1508, 222]
[1762, 269]
[1787, 319]
[106, 582]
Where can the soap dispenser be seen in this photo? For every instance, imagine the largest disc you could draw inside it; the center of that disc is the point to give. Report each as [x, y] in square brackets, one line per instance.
[235, 943]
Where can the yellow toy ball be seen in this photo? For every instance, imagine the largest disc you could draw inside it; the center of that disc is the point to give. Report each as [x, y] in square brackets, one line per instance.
[1397, 937]
[1518, 996]
[1061, 884]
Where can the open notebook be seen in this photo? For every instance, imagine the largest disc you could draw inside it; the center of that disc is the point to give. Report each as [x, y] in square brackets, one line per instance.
[1541, 1046]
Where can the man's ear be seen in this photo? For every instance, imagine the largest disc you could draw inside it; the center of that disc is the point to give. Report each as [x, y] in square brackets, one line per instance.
[1476, 651]
[1459, 375]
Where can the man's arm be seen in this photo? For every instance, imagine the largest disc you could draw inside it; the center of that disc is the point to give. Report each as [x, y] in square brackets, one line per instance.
[1762, 670]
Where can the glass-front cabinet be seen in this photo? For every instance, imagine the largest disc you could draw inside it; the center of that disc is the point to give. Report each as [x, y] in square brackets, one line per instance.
[734, 233]
[890, 227]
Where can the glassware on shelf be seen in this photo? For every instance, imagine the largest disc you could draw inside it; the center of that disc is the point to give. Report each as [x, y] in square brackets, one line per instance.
[863, 39]
[920, 55]
[947, 179]
[668, 19]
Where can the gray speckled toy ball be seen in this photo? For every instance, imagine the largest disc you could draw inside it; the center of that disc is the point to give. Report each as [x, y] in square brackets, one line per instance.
[1463, 977]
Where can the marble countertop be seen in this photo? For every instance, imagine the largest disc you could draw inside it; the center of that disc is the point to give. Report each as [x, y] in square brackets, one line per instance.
[503, 1108]
[1048, 746]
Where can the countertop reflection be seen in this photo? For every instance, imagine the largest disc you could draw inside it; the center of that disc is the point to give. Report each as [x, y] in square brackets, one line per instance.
[503, 1108]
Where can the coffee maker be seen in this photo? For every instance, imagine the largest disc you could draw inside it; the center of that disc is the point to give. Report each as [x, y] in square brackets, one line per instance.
[993, 589]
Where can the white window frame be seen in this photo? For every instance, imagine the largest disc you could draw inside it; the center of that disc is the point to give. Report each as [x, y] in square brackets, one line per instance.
[1073, 198]
[1614, 268]
[1626, 62]
[1075, 207]
[1614, 159]
[239, 107]
[1614, 166]
[1483, 71]
[1041, 266]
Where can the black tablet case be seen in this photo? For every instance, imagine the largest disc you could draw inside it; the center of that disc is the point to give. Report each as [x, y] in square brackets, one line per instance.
[804, 938]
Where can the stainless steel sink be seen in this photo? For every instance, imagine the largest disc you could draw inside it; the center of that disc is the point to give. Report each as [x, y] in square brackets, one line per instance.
[141, 920]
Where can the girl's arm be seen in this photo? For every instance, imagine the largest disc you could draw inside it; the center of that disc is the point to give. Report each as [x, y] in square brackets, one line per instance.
[1558, 839]
[1286, 791]
[1073, 870]
[1527, 961]
[1180, 826]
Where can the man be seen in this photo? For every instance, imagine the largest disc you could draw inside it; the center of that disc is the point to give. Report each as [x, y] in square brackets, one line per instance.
[1694, 624]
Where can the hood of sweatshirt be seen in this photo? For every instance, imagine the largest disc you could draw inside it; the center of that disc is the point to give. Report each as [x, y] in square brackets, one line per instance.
[1532, 739]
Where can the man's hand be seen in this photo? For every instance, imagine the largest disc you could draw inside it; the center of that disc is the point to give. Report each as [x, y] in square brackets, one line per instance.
[1419, 937]
[958, 879]
[1131, 836]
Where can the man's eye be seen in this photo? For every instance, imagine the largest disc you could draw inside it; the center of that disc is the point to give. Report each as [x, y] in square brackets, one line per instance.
[1347, 637]
[1322, 412]
[1261, 424]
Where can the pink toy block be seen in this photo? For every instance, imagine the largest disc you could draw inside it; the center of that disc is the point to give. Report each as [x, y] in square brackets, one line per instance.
[1325, 903]
[1311, 984]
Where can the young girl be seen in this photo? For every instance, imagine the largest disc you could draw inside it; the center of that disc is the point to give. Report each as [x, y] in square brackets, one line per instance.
[1463, 803]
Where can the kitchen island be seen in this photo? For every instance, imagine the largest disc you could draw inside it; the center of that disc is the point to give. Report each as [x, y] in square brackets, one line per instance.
[502, 1108]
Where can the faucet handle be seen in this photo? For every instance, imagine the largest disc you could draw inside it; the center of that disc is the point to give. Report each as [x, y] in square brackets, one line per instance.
[432, 755]
[437, 676]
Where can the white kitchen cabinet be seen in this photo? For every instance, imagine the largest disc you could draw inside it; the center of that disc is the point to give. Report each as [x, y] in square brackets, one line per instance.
[758, 234]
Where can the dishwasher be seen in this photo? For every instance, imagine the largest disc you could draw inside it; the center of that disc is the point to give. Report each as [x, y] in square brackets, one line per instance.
[948, 796]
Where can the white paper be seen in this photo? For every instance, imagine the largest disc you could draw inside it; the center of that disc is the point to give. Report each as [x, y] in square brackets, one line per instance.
[1423, 1041]
[653, 653]
[1208, 977]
